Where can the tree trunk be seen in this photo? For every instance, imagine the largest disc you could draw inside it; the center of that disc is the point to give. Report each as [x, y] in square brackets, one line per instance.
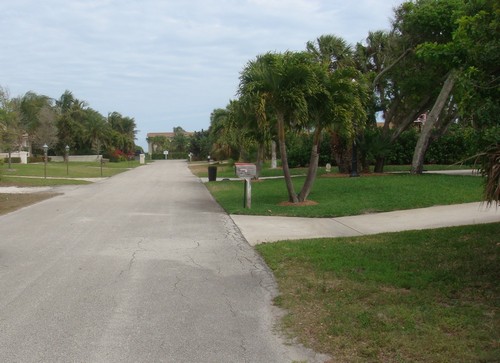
[417, 165]
[274, 163]
[379, 164]
[260, 158]
[313, 167]
[292, 196]
[341, 153]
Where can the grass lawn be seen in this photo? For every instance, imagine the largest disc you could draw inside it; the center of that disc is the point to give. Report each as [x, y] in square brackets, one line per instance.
[418, 296]
[76, 169]
[17, 176]
[351, 196]
[60, 170]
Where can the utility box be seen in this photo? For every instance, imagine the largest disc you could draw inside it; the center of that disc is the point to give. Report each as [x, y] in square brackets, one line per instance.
[245, 170]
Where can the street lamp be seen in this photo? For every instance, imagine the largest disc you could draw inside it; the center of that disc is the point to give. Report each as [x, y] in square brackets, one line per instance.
[45, 149]
[67, 159]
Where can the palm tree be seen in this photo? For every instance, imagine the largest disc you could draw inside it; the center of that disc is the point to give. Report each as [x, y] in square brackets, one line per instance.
[490, 169]
[335, 53]
[255, 127]
[336, 106]
[125, 131]
[221, 133]
[96, 130]
[282, 82]
[71, 116]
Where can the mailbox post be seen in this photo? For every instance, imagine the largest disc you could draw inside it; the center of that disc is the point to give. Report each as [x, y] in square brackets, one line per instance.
[246, 171]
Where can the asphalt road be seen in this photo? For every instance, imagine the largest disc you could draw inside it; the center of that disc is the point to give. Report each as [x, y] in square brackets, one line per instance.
[142, 267]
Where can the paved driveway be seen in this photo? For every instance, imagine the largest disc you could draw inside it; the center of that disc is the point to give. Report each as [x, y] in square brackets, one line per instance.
[142, 267]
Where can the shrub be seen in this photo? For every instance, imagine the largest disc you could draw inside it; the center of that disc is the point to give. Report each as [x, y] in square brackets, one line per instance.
[401, 152]
[116, 156]
[13, 160]
[449, 148]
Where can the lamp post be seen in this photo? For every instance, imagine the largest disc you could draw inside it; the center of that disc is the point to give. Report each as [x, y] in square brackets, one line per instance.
[67, 159]
[45, 149]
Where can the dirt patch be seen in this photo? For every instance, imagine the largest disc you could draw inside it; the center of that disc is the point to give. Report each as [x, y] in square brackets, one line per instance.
[299, 204]
[12, 202]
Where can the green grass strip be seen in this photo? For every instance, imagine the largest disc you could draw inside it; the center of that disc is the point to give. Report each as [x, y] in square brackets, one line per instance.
[351, 196]
[418, 296]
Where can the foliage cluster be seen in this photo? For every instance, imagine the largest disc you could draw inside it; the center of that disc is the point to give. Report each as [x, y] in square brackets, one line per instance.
[28, 122]
[437, 67]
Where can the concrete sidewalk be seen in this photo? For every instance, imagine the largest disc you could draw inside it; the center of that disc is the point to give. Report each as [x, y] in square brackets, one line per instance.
[259, 229]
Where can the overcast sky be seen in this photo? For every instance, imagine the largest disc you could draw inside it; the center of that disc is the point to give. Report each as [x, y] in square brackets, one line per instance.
[165, 63]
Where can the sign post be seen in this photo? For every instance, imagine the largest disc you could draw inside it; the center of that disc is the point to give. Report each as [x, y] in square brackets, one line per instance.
[246, 171]
[166, 154]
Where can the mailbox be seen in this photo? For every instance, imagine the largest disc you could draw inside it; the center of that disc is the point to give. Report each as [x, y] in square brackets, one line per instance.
[245, 170]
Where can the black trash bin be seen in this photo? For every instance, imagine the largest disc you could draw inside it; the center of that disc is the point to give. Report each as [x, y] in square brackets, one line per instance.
[212, 173]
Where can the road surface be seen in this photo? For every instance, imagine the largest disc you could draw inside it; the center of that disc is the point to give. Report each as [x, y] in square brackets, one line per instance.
[142, 267]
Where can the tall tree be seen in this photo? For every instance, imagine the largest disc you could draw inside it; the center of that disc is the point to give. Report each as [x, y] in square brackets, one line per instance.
[180, 142]
[11, 132]
[282, 82]
[123, 132]
[32, 109]
[338, 103]
[70, 120]
[96, 130]
[334, 53]
[223, 134]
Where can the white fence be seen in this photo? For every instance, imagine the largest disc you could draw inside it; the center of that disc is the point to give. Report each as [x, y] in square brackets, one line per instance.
[75, 158]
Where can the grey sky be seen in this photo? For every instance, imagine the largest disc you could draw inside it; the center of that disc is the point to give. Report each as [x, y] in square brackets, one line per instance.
[165, 63]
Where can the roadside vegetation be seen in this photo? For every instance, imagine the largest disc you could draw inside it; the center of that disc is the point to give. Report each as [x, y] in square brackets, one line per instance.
[417, 296]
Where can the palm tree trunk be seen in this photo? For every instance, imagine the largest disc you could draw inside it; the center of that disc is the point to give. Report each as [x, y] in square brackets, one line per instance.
[292, 196]
[379, 164]
[313, 167]
[260, 158]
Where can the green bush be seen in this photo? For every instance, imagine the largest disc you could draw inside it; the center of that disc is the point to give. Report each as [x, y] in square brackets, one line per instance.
[158, 156]
[299, 150]
[449, 148]
[13, 160]
[401, 152]
[178, 155]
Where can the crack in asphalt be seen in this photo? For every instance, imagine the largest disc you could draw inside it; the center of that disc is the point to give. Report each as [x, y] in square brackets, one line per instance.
[241, 336]
[134, 257]
[176, 286]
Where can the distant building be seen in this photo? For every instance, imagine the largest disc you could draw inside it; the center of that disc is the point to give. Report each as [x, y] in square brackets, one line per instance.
[167, 135]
